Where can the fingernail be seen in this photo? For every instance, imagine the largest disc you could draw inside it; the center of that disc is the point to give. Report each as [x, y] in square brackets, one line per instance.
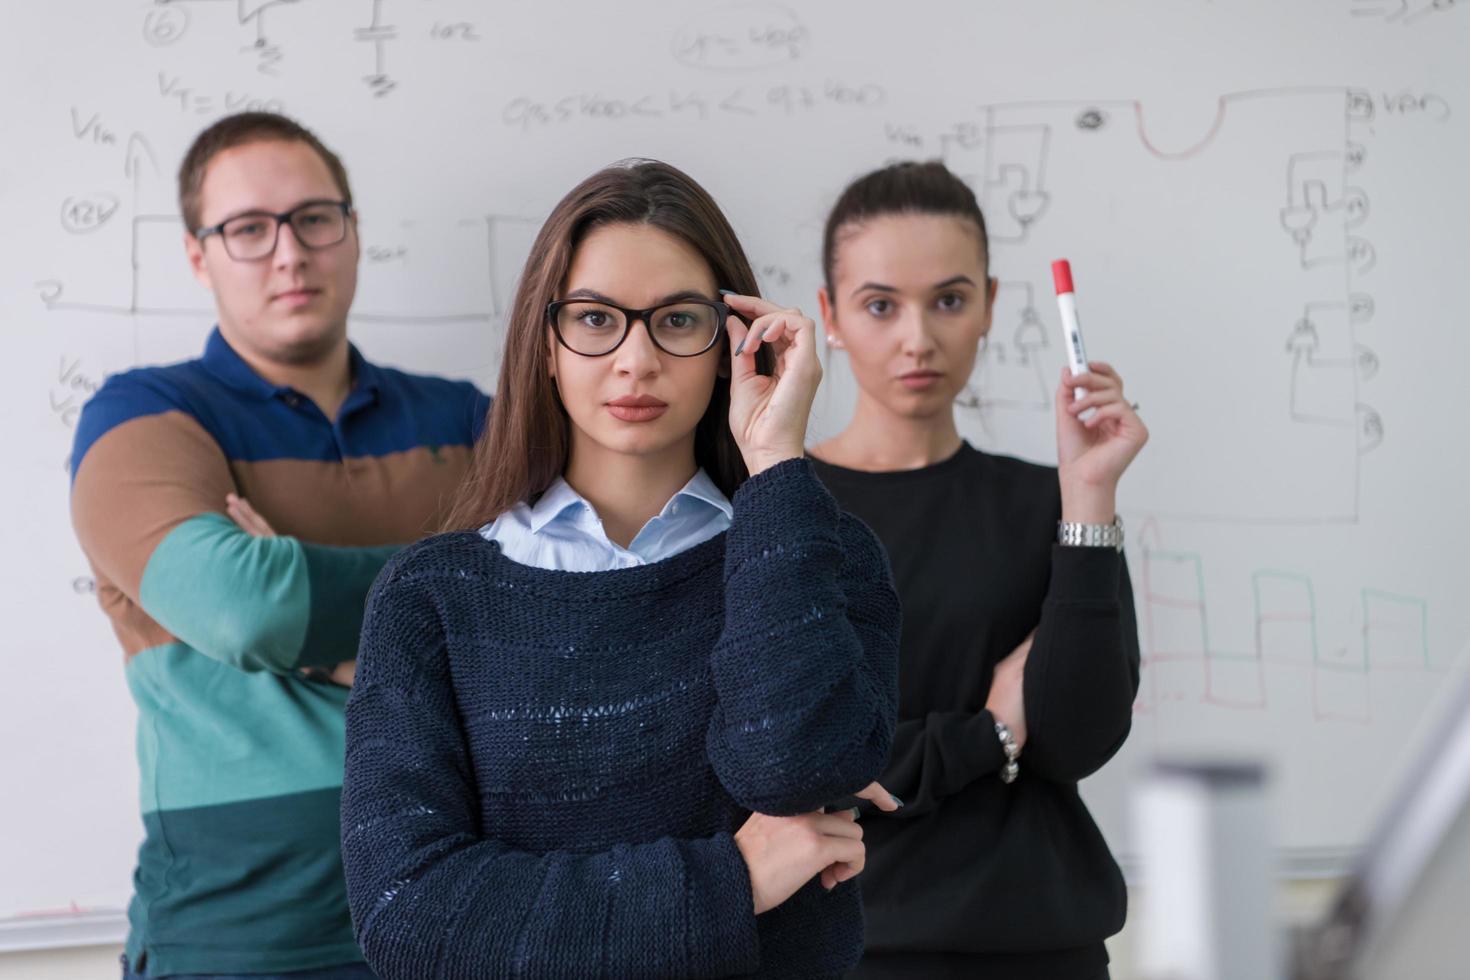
[896, 801]
[855, 812]
[741, 348]
[727, 292]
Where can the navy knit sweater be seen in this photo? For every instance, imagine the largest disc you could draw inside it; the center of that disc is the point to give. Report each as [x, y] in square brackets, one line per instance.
[545, 769]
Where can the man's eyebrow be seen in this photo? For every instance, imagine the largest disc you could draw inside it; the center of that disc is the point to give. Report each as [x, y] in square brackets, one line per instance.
[267, 213]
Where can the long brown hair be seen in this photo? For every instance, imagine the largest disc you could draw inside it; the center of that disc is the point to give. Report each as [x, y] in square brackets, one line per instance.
[525, 445]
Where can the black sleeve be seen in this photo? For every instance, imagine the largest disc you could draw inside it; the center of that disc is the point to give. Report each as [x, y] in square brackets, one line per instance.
[1082, 674]
[937, 756]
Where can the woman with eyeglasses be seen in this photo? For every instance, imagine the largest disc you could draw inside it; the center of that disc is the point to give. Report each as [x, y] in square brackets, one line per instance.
[1019, 659]
[596, 730]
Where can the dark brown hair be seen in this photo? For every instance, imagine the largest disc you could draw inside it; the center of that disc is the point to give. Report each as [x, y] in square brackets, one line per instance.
[238, 130]
[908, 187]
[525, 445]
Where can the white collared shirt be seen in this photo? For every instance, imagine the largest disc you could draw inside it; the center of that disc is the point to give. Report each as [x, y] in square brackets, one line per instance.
[563, 532]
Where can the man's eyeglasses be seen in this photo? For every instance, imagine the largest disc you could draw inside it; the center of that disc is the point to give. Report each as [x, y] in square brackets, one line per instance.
[592, 328]
[252, 236]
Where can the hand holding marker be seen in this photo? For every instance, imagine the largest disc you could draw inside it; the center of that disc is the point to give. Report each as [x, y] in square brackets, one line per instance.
[1061, 275]
[1092, 455]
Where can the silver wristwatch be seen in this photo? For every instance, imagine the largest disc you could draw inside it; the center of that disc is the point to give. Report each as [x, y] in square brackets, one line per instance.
[1012, 768]
[1077, 535]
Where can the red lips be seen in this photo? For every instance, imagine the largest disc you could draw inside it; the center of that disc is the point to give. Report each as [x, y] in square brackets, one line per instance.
[639, 401]
[919, 380]
[637, 408]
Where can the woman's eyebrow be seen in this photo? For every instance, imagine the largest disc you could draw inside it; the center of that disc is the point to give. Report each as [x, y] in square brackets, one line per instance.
[885, 288]
[880, 287]
[678, 297]
[682, 295]
[589, 294]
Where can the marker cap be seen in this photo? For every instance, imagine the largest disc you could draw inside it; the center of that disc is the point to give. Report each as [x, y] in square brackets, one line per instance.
[1061, 275]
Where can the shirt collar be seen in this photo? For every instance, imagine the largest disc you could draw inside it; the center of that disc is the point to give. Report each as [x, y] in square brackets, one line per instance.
[366, 377]
[703, 488]
[221, 360]
[557, 500]
[560, 499]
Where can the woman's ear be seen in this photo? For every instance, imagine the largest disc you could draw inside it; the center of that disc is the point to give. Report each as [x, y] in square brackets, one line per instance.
[829, 317]
[992, 288]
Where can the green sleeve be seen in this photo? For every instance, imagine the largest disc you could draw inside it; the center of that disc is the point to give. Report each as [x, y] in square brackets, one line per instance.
[258, 603]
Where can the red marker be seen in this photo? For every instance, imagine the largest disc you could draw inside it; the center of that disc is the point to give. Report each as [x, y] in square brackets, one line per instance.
[1061, 274]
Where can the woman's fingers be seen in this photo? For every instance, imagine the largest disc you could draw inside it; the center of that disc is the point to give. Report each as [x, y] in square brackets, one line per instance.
[835, 874]
[777, 329]
[840, 845]
[845, 851]
[1115, 410]
[769, 415]
[759, 332]
[739, 333]
[1095, 399]
[879, 797]
[1091, 381]
[750, 307]
[843, 823]
[840, 850]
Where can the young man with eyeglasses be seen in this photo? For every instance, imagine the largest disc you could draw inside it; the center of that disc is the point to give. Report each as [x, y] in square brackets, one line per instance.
[235, 509]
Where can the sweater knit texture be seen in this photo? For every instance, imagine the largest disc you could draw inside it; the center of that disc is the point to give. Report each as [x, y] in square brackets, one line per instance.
[546, 769]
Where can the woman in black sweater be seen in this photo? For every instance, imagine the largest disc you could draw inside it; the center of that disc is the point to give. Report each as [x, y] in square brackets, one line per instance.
[1019, 656]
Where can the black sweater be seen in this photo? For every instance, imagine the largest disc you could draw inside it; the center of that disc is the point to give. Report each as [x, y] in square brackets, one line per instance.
[1015, 879]
[545, 769]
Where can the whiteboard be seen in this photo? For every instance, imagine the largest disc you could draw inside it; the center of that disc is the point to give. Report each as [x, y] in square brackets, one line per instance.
[1264, 203]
